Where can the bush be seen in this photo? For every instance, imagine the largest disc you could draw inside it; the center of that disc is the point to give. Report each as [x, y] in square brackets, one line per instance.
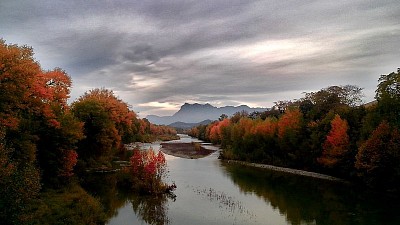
[71, 205]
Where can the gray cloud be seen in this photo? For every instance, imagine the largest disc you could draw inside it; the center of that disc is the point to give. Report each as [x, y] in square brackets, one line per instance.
[157, 55]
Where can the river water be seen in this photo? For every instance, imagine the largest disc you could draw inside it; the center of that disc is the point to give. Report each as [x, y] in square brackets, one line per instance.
[210, 191]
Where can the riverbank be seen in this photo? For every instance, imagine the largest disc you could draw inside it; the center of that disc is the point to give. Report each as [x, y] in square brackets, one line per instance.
[289, 170]
[193, 150]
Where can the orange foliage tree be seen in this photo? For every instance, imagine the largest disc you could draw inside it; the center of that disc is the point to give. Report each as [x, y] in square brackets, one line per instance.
[106, 120]
[337, 143]
[289, 135]
[289, 122]
[266, 128]
[33, 109]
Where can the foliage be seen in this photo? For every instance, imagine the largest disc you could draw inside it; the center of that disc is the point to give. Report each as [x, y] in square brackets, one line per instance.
[69, 205]
[388, 97]
[337, 143]
[106, 119]
[377, 160]
[326, 131]
[147, 171]
[317, 104]
[19, 186]
[42, 139]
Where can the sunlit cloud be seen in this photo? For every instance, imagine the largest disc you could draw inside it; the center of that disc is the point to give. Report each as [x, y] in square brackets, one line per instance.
[160, 108]
[157, 55]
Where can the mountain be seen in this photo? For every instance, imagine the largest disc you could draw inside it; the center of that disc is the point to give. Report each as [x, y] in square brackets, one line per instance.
[194, 113]
[184, 126]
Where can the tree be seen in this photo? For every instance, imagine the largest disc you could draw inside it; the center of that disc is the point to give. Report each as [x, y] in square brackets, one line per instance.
[147, 171]
[319, 103]
[289, 122]
[337, 143]
[25, 104]
[377, 160]
[101, 136]
[19, 179]
[388, 97]
[106, 120]
[57, 148]
[18, 71]
[289, 135]
[222, 117]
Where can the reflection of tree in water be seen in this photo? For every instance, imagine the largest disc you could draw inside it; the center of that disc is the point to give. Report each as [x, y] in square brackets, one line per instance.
[305, 200]
[151, 209]
[105, 188]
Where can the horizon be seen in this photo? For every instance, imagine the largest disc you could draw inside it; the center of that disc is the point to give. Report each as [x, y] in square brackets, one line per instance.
[157, 55]
[260, 107]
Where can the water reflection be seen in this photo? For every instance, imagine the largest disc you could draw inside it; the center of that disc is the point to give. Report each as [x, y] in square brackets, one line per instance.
[151, 209]
[308, 201]
[113, 196]
[214, 192]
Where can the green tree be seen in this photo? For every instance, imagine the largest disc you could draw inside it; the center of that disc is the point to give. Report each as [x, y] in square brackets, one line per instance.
[319, 103]
[107, 120]
[388, 97]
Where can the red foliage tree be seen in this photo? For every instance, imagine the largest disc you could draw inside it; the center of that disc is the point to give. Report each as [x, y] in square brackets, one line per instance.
[69, 160]
[147, 170]
[337, 143]
[377, 160]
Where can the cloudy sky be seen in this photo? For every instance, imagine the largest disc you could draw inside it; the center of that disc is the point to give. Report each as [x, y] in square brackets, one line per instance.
[157, 55]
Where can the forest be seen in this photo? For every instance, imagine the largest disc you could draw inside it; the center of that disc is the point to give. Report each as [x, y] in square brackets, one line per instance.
[47, 145]
[329, 131]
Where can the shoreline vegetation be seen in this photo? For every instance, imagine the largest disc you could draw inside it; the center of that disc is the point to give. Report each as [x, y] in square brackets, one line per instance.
[47, 144]
[195, 150]
[329, 131]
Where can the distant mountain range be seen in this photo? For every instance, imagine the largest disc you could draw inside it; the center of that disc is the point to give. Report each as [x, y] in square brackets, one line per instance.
[196, 113]
[186, 126]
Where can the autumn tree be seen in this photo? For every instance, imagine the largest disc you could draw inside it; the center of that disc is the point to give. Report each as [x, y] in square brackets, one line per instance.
[147, 170]
[377, 160]
[337, 143]
[57, 147]
[106, 120]
[19, 178]
[31, 100]
[289, 133]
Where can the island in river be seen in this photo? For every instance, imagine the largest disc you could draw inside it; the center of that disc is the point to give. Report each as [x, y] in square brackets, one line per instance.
[192, 150]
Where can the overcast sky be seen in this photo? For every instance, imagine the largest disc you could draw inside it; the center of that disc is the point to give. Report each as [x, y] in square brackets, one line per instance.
[157, 55]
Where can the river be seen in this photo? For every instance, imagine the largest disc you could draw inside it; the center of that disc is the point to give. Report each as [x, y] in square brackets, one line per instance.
[210, 191]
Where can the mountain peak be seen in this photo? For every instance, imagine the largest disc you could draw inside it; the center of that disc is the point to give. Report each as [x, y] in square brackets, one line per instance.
[188, 106]
[194, 113]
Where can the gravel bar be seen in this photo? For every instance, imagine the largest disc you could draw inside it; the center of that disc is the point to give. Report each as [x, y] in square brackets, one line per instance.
[289, 170]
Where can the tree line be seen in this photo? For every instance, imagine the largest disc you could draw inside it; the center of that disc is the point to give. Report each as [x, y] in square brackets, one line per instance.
[44, 140]
[328, 131]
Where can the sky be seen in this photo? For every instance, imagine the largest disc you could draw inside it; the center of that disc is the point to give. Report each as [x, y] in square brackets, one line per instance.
[157, 55]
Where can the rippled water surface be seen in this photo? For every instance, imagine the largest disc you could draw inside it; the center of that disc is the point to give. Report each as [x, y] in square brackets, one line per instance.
[213, 192]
